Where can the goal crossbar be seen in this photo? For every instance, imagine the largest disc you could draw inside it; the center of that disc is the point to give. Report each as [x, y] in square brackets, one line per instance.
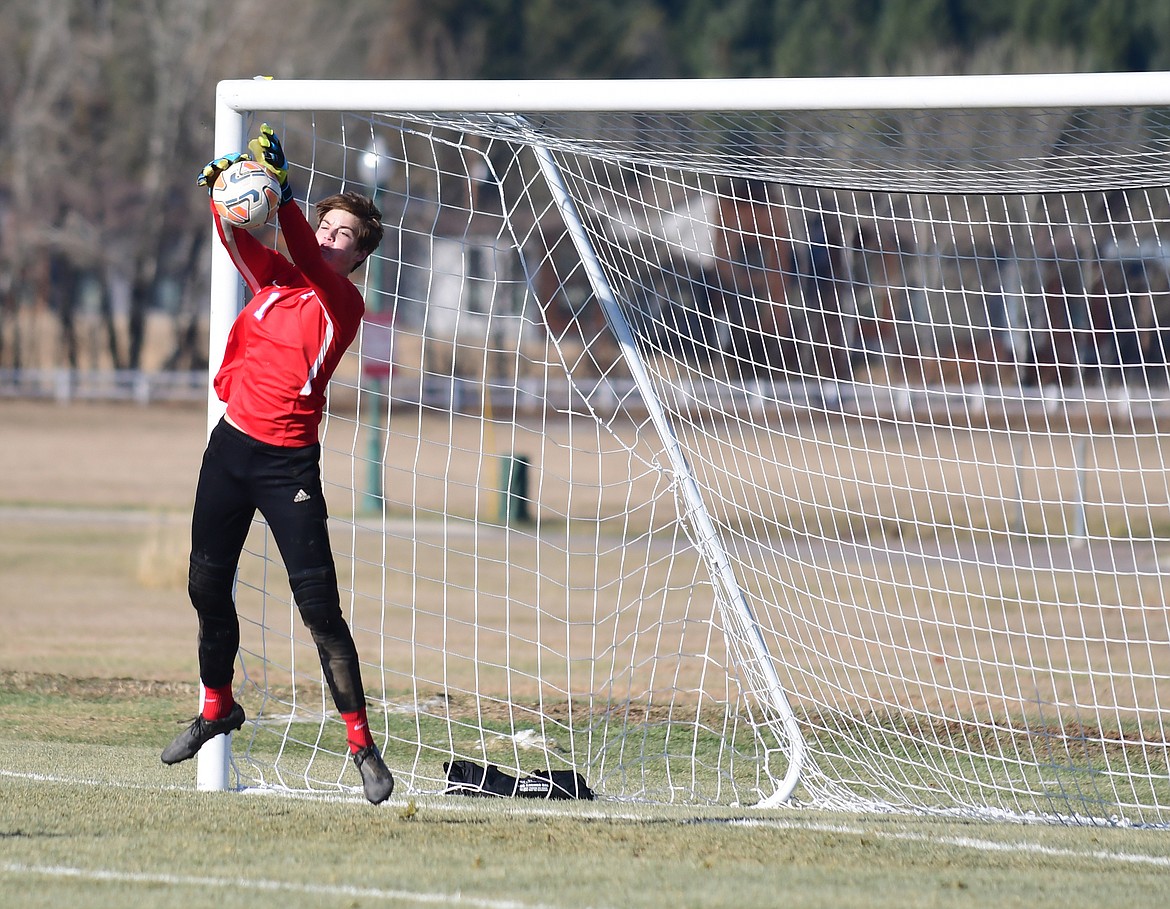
[657, 95]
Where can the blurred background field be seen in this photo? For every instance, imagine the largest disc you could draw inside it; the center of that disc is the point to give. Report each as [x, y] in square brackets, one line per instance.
[94, 502]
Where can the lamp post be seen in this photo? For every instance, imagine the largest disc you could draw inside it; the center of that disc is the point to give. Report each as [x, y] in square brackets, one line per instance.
[377, 335]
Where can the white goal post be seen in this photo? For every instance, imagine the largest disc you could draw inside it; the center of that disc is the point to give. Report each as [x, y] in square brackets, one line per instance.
[739, 441]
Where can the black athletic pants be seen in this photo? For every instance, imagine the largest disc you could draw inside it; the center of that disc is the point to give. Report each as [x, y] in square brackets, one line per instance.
[240, 475]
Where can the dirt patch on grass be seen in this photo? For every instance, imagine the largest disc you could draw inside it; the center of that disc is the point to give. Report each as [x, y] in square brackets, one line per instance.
[92, 689]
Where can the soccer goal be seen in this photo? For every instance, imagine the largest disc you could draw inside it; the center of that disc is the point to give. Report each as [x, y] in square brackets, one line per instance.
[741, 442]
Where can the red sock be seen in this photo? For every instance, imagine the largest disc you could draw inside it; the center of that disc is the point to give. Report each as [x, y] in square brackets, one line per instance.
[217, 702]
[357, 730]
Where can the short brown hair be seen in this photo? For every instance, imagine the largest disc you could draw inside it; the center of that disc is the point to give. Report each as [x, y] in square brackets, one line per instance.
[369, 231]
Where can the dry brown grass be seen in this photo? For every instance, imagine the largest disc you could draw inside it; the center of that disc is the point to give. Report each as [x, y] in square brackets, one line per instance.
[95, 500]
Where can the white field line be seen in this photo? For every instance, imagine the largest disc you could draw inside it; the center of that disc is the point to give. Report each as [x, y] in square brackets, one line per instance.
[531, 809]
[264, 886]
[963, 842]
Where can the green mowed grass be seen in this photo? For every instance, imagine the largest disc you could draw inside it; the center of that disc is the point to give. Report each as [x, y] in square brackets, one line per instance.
[90, 817]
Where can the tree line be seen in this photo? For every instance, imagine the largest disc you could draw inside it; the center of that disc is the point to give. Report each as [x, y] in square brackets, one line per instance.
[107, 107]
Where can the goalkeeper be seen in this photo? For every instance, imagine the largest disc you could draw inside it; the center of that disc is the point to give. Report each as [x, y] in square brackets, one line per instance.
[265, 453]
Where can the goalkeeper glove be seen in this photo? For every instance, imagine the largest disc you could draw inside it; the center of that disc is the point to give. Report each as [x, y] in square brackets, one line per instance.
[266, 147]
[213, 169]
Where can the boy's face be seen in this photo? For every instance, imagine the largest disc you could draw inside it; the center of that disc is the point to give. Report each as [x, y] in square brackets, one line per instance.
[337, 237]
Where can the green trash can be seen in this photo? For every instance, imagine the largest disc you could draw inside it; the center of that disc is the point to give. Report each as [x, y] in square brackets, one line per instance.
[514, 489]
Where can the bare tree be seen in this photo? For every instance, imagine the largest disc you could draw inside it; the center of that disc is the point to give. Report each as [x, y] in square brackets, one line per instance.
[36, 86]
[108, 107]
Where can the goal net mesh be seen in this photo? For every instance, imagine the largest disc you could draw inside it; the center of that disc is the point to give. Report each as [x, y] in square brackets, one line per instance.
[881, 432]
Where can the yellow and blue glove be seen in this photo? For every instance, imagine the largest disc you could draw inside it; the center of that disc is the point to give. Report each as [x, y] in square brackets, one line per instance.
[213, 169]
[267, 149]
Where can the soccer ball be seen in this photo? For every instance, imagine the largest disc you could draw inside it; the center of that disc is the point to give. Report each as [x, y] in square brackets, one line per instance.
[246, 195]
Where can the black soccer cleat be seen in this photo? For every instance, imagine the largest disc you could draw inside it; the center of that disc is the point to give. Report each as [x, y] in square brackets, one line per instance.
[377, 781]
[188, 742]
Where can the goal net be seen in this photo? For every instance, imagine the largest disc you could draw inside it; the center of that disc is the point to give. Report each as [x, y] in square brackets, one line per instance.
[741, 442]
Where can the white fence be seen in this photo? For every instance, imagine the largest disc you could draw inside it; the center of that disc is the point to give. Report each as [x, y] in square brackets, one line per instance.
[64, 385]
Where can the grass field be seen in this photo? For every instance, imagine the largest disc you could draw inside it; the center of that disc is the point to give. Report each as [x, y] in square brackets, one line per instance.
[97, 670]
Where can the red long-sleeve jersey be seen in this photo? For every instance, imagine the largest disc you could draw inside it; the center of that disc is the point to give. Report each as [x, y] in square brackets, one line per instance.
[286, 343]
